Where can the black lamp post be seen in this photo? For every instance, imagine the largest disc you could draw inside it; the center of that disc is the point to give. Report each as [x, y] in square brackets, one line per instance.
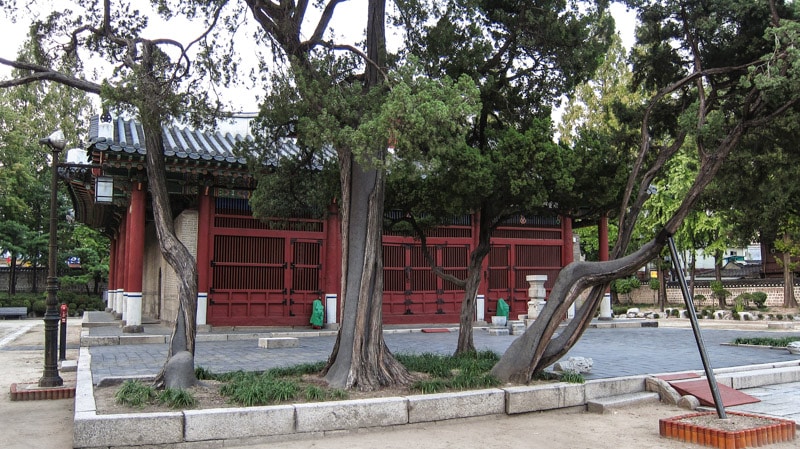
[50, 377]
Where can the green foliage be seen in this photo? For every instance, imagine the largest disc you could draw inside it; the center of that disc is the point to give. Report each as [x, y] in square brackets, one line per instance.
[572, 377]
[177, 398]
[655, 284]
[759, 299]
[251, 389]
[778, 342]
[719, 291]
[451, 372]
[134, 393]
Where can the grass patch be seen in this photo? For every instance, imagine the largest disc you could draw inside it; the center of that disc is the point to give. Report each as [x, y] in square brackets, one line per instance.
[445, 373]
[134, 393]
[781, 342]
[572, 377]
[277, 385]
[177, 398]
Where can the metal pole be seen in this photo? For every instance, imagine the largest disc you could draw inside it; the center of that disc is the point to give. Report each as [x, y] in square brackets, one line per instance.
[50, 377]
[62, 343]
[712, 381]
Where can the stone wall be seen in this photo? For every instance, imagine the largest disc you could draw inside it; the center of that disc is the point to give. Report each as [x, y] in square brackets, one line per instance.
[774, 291]
[186, 230]
[25, 281]
[151, 273]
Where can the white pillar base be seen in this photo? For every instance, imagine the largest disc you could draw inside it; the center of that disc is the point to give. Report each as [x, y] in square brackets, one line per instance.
[480, 308]
[605, 307]
[202, 308]
[133, 313]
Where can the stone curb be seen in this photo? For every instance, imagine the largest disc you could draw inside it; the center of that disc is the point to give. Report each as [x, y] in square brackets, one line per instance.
[219, 427]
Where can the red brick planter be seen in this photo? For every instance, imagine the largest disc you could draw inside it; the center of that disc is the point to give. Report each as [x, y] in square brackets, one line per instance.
[32, 392]
[680, 427]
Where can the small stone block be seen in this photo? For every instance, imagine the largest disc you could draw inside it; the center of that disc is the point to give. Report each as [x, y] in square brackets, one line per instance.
[142, 339]
[498, 331]
[278, 342]
[69, 366]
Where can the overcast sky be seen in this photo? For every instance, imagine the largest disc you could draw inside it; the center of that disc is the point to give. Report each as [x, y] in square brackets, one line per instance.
[350, 18]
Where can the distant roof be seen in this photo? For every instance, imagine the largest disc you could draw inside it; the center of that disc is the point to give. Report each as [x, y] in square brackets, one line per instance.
[127, 136]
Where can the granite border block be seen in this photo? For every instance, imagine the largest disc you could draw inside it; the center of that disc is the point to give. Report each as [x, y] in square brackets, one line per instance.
[92, 430]
[533, 398]
[242, 422]
[463, 404]
[351, 414]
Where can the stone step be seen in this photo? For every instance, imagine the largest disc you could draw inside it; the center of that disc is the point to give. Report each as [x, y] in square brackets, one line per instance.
[605, 405]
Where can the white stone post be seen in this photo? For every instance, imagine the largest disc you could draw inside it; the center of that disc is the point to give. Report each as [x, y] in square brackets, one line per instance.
[605, 308]
[536, 294]
[202, 308]
[480, 308]
[330, 309]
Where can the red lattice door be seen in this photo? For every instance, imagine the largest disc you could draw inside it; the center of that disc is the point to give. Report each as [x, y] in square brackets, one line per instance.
[263, 281]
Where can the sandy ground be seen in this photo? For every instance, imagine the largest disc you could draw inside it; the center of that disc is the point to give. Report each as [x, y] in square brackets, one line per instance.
[48, 424]
[634, 427]
[33, 424]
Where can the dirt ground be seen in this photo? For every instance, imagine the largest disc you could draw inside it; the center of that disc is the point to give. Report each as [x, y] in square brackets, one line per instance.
[48, 424]
[34, 424]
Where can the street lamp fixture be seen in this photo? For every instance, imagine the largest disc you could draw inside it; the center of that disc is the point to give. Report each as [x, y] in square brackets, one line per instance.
[104, 190]
[50, 377]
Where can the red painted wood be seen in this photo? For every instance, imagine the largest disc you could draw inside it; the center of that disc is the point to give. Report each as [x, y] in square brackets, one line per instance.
[135, 250]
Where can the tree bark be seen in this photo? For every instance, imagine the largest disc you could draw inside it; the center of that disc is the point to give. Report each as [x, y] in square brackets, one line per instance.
[172, 249]
[360, 358]
[789, 299]
[536, 348]
[466, 342]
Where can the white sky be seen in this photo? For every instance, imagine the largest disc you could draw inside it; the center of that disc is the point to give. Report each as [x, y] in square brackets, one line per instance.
[349, 20]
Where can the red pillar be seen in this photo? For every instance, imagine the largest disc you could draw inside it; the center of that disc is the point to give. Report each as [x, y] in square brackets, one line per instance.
[122, 245]
[567, 250]
[602, 235]
[205, 215]
[135, 259]
[333, 258]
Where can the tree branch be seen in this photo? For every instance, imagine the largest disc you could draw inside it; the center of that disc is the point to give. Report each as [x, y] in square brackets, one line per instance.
[46, 74]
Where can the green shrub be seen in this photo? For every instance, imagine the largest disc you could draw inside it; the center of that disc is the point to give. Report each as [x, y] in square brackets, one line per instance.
[177, 398]
[779, 316]
[699, 298]
[676, 313]
[654, 284]
[39, 307]
[781, 342]
[134, 393]
[760, 299]
[656, 316]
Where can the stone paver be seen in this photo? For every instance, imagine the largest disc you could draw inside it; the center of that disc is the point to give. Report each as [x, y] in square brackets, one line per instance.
[615, 352]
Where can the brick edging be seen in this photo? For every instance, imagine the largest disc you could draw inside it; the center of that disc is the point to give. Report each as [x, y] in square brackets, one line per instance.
[19, 393]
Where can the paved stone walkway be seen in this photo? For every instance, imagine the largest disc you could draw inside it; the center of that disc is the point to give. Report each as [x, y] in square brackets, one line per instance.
[615, 352]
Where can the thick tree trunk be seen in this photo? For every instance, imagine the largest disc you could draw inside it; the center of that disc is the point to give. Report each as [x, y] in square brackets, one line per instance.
[789, 299]
[360, 358]
[662, 288]
[536, 348]
[718, 276]
[172, 249]
[466, 343]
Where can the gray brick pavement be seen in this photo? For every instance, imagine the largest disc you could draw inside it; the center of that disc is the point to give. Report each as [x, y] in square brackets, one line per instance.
[616, 352]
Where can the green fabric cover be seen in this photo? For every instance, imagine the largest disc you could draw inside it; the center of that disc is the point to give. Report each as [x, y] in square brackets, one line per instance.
[317, 312]
[502, 307]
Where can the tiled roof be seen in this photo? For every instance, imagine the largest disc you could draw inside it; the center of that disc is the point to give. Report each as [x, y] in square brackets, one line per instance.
[127, 136]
